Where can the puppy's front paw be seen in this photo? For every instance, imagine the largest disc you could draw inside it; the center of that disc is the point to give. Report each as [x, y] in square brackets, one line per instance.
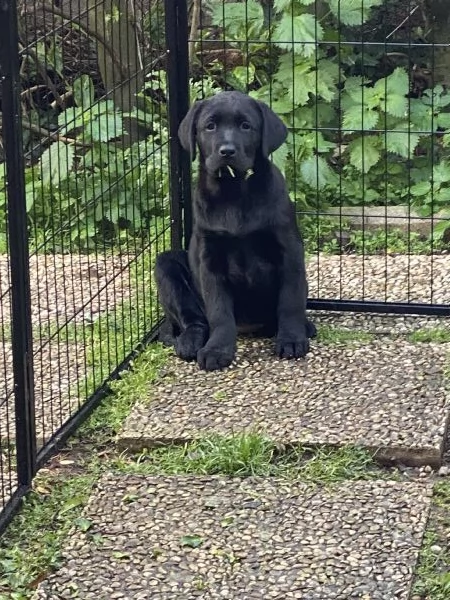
[189, 342]
[212, 359]
[292, 348]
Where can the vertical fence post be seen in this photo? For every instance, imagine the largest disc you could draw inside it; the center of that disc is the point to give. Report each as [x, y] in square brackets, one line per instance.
[18, 244]
[176, 24]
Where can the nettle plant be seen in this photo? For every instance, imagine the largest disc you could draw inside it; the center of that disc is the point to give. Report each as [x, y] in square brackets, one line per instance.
[89, 186]
[353, 139]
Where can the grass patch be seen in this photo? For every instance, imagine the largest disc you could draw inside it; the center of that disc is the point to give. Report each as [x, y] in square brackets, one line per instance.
[328, 334]
[433, 571]
[438, 335]
[31, 548]
[253, 454]
[131, 387]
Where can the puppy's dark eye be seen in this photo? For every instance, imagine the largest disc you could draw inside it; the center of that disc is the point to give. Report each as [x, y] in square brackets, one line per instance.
[245, 126]
[210, 126]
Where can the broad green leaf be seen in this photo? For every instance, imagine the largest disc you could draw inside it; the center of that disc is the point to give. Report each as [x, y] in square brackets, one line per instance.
[421, 189]
[193, 541]
[71, 503]
[299, 76]
[353, 88]
[438, 97]
[70, 119]
[327, 78]
[83, 91]
[56, 163]
[392, 91]
[439, 230]
[364, 153]
[353, 12]
[316, 172]
[298, 94]
[30, 195]
[359, 118]
[321, 144]
[401, 141]
[358, 97]
[280, 156]
[299, 34]
[420, 115]
[291, 69]
[238, 16]
[245, 75]
[443, 121]
[83, 524]
[106, 127]
[280, 5]
[441, 173]
[284, 105]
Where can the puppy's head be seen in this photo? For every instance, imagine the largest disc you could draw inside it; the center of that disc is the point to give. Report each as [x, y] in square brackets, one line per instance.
[231, 130]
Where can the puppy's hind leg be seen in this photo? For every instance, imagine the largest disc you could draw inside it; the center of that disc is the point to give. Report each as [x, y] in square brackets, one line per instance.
[182, 304]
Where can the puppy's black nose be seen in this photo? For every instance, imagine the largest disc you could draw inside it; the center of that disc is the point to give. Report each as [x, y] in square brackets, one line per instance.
[227, 150]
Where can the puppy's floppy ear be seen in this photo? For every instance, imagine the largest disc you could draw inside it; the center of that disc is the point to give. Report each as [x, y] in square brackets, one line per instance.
[274, 131]
[187, 132]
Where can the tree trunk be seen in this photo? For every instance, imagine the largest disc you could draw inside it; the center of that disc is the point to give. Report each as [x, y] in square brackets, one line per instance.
[119, 58]
[439, 18]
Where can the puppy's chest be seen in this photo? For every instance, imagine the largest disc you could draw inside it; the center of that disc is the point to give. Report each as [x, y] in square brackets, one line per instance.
[249, 260]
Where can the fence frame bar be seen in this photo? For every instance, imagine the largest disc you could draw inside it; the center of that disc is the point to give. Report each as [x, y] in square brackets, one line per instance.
[177, 38]
[22, 338]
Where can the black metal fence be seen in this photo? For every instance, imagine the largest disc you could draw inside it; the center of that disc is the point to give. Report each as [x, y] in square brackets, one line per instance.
[93, 187]
[84, 209]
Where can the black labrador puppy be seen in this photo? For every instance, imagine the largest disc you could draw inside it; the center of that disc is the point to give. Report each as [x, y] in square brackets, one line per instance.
[245, 264]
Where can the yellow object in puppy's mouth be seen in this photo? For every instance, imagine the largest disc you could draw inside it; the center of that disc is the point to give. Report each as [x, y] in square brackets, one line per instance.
[248, 173]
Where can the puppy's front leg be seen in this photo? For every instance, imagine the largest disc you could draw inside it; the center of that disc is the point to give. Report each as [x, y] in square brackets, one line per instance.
[220, 349]
[293, 326]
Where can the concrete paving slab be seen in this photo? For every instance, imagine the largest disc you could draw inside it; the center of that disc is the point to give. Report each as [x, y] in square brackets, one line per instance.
[387, 395]
[390, 324]
[243, 539]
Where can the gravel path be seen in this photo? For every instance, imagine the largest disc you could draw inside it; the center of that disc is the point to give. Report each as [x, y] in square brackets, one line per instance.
[385, 394]
[400, 278]
[8, 479]
[256, 539]
[57, 368]
[65, 286]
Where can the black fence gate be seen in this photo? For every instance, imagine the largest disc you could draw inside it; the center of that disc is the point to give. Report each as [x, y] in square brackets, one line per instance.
[94, 184]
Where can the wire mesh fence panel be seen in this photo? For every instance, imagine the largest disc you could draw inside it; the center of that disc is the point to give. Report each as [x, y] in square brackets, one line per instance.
[363, 89]
[93, 102]
[96, 144]
[8, 478]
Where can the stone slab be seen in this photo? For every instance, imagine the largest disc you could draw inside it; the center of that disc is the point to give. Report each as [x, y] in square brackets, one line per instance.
[380, 324]
[388, 217]
[243, 539]
[386, 395]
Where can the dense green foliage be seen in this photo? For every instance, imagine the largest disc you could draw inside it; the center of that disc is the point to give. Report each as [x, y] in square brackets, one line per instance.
[357, 134]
